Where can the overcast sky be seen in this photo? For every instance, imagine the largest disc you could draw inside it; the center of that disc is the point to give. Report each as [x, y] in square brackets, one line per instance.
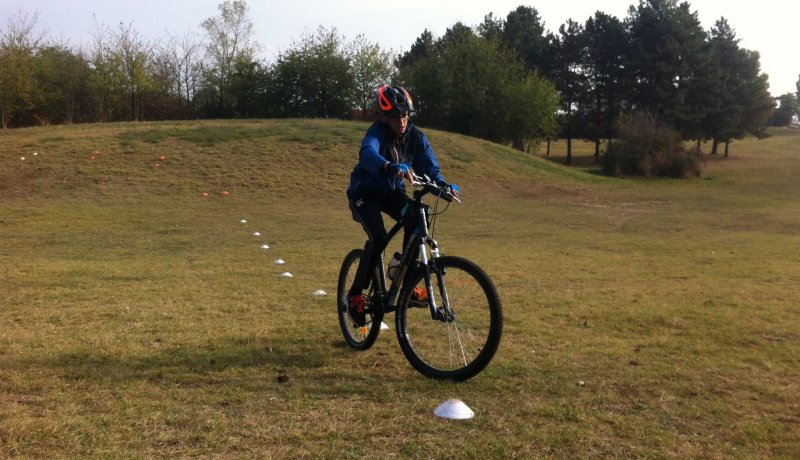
[766, 26]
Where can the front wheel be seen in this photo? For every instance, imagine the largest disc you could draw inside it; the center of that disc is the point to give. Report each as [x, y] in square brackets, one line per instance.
[359, 337]
[461, 337]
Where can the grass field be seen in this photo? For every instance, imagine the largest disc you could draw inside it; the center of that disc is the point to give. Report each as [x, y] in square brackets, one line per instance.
[139, 318]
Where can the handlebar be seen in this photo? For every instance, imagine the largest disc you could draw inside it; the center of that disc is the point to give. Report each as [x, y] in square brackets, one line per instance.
[429, 186]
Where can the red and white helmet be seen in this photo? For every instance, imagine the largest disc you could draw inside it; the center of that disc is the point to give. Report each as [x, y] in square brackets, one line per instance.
[393, 100]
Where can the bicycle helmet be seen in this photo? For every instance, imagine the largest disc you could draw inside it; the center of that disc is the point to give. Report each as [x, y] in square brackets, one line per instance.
[393, 100]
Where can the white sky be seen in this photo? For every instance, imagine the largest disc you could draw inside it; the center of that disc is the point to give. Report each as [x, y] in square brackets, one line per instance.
[767, 26]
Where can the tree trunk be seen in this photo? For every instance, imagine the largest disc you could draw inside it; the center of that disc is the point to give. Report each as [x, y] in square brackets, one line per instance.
[597, 151]
[727, 143]
[548, 148]
[569, 150]
[714, 146]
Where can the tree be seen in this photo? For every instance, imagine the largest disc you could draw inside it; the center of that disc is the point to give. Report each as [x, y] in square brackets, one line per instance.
[229, 45]
[422, 64]
[134, 57]
[605, 50]
[64, 92]
[370, 67]
[313, 78]
[491, 28]
[523, 32]
[179, 60]
[571, 78]
[422, 48]
[18, 46]
[741, 101]
[752, 89]
[248, 85]
[666, 56]
[797, 85]
[476, 86]
[787, 107]
[530, 107]
[106, 79]
[726, 111]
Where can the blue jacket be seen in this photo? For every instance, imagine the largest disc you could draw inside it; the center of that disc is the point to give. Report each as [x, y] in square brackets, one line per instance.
[381, 145]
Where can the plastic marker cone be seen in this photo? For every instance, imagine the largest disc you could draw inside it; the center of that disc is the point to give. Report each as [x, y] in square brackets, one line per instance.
[162, 158]
[22, 158]
[319, 293]
[286, 275]
[279, 262]
[242, 221]
[256, 233]
[384, 326]
[454, 409]
[204, 194]
[157, 165]
[225, 193]
[265, 246]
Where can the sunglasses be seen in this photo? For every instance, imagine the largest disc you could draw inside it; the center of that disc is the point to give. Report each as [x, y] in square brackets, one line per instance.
[403, 116]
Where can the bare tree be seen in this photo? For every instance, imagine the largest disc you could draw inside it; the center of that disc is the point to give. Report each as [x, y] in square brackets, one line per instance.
[104, 73]
[177, 73]
[184, 53]
[134, 55]
[229, 41]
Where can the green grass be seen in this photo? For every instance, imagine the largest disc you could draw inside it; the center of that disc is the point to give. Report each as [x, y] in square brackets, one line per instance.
[138, 318]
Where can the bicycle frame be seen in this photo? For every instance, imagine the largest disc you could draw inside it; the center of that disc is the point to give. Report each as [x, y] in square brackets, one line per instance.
[421, 238]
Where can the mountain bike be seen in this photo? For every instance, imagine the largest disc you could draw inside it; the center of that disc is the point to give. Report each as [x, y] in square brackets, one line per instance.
[449, 318]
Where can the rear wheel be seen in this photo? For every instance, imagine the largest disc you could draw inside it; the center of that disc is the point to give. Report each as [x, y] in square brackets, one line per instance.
[462, 339]
[359, 337]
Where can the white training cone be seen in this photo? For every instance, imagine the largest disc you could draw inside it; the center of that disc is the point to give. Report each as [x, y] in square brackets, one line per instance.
[286, 275]
[242, 221]
[279, 262]
[454, 409]
[384, 326]
[319, 293]
[265, 246]
[256, 234]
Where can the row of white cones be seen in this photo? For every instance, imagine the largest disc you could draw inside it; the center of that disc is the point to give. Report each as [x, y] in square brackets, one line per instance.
[265, 246]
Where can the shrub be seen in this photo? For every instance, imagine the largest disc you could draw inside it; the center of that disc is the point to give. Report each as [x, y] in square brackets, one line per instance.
[648, 147]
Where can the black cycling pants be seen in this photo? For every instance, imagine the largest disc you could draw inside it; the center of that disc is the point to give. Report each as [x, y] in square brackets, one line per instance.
[367, 211]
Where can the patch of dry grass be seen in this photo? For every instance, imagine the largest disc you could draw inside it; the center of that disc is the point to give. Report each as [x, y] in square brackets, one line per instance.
[139, 318]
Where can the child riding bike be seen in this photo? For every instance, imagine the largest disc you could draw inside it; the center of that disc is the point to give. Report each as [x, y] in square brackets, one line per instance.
[391, 148]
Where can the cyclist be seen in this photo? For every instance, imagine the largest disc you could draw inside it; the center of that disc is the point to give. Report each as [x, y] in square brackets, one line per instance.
[391, 148]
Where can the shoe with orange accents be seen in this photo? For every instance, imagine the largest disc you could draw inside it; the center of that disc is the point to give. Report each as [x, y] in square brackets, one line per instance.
[419, 296]
[355, 306]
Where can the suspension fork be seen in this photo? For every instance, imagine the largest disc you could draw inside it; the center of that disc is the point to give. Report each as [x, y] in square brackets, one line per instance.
[426, 240]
